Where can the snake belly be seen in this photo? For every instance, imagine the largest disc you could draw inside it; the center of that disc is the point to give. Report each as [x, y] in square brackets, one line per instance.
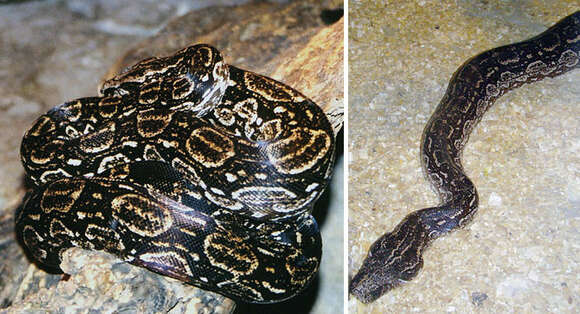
[396, 257]
[186, 166]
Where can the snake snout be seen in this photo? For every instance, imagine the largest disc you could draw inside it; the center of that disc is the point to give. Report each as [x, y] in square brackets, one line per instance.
[369, 284]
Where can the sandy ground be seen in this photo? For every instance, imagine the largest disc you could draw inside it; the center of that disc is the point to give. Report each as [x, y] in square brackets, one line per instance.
[520, 254]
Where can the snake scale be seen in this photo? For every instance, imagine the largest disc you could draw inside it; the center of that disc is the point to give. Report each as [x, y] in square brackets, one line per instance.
[189, 167]
[396, 257]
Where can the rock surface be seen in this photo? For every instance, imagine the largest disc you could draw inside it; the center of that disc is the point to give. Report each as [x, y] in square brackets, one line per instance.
[64, 49]
[104, 284]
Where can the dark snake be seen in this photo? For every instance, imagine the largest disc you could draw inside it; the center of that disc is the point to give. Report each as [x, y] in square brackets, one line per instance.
[186, 166]
[396, 257]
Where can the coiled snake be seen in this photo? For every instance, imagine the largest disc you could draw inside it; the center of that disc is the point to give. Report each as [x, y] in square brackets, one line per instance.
[187, 166]
[396, 257]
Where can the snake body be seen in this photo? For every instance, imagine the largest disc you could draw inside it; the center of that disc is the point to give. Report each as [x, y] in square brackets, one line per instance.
[186, 166]
[396, 256]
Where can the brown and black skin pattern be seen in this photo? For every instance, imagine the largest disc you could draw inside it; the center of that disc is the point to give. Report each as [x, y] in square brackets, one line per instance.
[189, 167]
[396, 257]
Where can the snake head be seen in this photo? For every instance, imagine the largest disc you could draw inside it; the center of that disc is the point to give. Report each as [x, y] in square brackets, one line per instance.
[205, 80]
[393, 259]
[193, 79]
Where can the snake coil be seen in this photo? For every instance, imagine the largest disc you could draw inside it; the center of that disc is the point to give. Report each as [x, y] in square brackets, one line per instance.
[186, 166]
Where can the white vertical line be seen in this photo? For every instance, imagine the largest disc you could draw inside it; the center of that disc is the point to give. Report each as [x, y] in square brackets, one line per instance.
[346, 161]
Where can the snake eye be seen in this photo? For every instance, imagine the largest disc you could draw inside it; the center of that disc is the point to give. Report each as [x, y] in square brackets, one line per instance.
[411, 269]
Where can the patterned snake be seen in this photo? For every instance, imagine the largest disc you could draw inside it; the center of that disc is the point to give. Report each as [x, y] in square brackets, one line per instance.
[186, 166]
[396, 257]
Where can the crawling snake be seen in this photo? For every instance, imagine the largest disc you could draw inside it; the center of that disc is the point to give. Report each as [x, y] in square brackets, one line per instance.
[186, 166]
[396, 257]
